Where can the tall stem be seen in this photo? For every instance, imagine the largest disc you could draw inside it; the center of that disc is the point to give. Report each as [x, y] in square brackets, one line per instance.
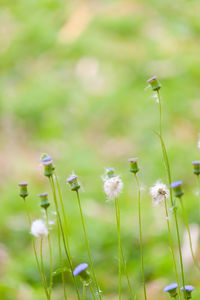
[87, 246]
[61, 261]
[119, 242]
[172, 248]
[83, 291]
[42, 266]
[35, 253]
[166, 161]
[50, 255]
[62, 233]
[140, 231]
[122, 253]
[189, 234]
[92, 292]
[64, 215]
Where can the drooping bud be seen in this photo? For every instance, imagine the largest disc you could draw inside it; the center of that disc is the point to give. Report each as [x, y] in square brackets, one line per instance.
[44, 200]
[177, 187]
[23, 191]
[196, 165]
[154, 82]
[81, 270]
[171, 289]
[73, 183]
[133, 165]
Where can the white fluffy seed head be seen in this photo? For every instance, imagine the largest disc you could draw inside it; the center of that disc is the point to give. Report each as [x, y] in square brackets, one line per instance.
[159, 192]
[113, 186]
[39, 228]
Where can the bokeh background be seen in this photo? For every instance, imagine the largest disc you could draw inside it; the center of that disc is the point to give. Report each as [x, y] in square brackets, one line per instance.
[73, 84]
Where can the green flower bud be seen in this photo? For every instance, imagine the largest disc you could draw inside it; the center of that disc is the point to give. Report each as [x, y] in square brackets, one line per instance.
[133, 165]
[23, 191]
[73, 183]
[155, 84]
[44, 200]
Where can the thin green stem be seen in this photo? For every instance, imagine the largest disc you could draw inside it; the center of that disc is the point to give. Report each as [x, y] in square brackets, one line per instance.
[120, 247]
[166, 161]
[62, 233]
[64, 215]
[35, 253]
[122, 254]
[171, 247]
[140, 231]
[83, 291]
[61, 261]
[189, 234]
[92, 292]
[50, 256]
[87, 246]
[42, 267]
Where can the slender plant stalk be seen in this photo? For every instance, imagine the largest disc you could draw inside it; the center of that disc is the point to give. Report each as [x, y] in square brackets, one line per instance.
[122, 253]
[189, 234]
[87, 246]
[83, 291]
[64, 215]
[62, 233]
[50, 256]
[92, 292]
[120, 245]
[35, 253]
[42, 266]
[172, 248]
[61, 260]
[140, 230]
[166, 161]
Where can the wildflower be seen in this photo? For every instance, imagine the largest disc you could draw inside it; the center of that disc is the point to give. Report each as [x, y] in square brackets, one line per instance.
[82, 272]
[73, 182]
[133, 165]
[154, 82]
[171, 289]
[113, 185]
[188, 290]
[177, 187]
[23, 192]
[48, 165]
[196, 165]
[44, 200]
[159, 192]
[39, 228]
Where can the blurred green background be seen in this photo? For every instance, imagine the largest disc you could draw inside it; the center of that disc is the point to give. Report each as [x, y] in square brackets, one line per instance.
[73, 84]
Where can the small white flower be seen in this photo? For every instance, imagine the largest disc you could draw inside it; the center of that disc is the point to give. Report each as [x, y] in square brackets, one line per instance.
[112, 186]
[159, 192]
[39, 228]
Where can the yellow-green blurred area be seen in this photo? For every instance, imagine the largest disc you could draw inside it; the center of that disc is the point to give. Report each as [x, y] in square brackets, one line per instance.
[73, 84]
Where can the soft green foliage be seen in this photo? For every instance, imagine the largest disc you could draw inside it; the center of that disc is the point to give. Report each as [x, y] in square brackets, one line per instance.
[73, 78]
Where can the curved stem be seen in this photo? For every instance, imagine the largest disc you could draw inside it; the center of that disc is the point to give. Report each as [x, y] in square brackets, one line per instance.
[87, 246]
[122, 255]
[166, 161]
[119, 242]
[62, 233]
[171, 247]
[189, 235]
[35, 253]
[140, 230]
[50, 256]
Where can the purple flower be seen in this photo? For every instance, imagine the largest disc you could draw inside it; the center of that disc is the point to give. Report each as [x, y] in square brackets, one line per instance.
[188, 288]
[196, 162]
[71, 178]
[170, 287]
[43, 195]
[80, 268]
[176, 184]
[46, 158]
[25, 183]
